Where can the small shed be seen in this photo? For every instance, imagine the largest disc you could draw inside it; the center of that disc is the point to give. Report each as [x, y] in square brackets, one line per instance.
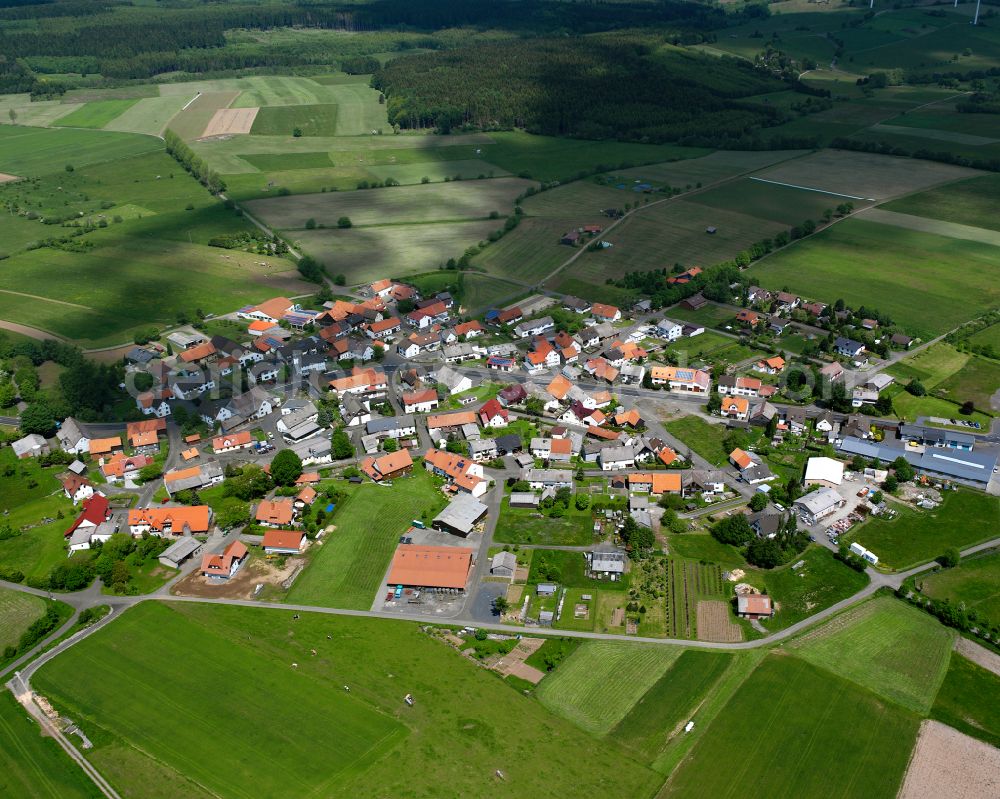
[546, 589]
[504, 564]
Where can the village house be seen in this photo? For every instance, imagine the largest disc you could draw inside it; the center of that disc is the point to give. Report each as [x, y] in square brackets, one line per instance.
[817, 505]
[174, 520]
[735, 408]
[277, 512]
[272, 310]
[770, 366]
[76, 487]
[232, 442]
[92, 525]
[739, 386]
[226, 565]
[120, 468]
[284, 542]
[681, 380]
[534, 327]
[193, 477]
[420, 401]
[388, 466]
[493, 414]
[751, 467]
[461, 474]
[71, 438]
[605, 313]
[539, 479]
[453, 381]
[615, 459]
[656, 483]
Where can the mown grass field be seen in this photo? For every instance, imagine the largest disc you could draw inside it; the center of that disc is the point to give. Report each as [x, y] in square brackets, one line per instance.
[782, 204]
[891, 648]
[703, 438]
[367, 254]
[967, 202]
[822, 581]
[467, 199]
[931, 366]
[895, 270]
[28, 152]
[149, 115]
[703, 546]
[348, 568]
[33, 767]
[674, 231]
[283, 120]
[17, 611]
[975, 582]
[670, 702]
[969, 700]
[863, 175]
[278, 718]
[528, 253]
[978, 381]
[96, 114]
[100, 296]
[964, 518]
[601, 681]
[793, 729]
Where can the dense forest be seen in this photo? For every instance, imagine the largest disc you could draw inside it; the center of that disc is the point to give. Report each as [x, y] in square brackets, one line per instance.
[617, 85]
[121, 41]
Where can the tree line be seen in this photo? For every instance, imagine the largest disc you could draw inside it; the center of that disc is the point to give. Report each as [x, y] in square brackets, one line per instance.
[180, 151]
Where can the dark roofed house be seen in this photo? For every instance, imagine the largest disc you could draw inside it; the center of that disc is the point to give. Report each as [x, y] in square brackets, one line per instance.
[571, 237]
[509, 444]
[899, 340]
[695, 301]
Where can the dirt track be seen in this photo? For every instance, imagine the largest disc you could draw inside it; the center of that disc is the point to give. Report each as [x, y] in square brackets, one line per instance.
[30, 332]
[977, 654]
[230, 121]
[5, 178]
[949, 765]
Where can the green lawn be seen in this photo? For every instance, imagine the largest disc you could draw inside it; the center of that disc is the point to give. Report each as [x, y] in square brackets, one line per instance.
[908, 408]
[570, 567]
[349, 567]
[975, 582]
[37, 551]
[96, 114]
[704, 547]
[22, 481]
[282, 120]
[895, 270]
[708, 316]
[930, 366]
[33, 766]
[669, 703]
[988, 336]
[39, 151]
[17, 612]
[793, 729]
[278, 718]
[969, 700]
[978, 381]
[889, 647]
[525, 526]
[601, 681]
[703, 438]
[964, 518]
[799, 593]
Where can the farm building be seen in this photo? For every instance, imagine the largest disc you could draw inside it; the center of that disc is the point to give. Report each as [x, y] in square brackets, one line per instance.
[824, 472]
[179, 551]
[818, 505]
[31, 446]
[283, 542]
[606, 563]
[504, 564]
[754, 606]
[430, 568]
[461, 516]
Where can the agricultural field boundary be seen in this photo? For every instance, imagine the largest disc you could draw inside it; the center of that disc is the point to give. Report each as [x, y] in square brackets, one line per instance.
[922, 224]
[812, 188]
